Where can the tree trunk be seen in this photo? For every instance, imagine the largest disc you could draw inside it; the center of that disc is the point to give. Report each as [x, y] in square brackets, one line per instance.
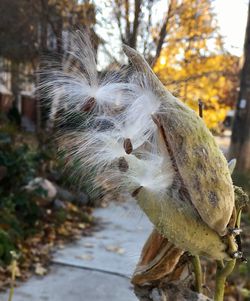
[240, 142]
[15, 81]
[41, 109]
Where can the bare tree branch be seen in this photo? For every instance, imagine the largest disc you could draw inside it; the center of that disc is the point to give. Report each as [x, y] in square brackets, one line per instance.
[118, 19]
[197, 76]
[127, 20]
[148, 26]
[163, 31]
[137, 12]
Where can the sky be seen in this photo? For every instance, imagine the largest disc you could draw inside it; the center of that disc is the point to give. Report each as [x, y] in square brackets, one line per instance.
[232, 19]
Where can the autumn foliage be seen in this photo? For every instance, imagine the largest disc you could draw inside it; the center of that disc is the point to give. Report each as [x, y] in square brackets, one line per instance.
[193, 63]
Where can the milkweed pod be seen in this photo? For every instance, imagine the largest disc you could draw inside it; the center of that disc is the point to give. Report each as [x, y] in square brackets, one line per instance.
[197, 159]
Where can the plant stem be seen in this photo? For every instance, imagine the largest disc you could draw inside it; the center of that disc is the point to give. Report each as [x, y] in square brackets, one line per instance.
[13, 276]
[198, 273]
[221, 276]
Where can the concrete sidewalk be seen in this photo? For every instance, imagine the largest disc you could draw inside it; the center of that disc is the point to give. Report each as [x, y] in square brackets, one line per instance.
[96, 267]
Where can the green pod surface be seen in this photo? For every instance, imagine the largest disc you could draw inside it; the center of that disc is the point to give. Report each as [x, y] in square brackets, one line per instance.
[201, 166]
[195, 211]
[177, 221]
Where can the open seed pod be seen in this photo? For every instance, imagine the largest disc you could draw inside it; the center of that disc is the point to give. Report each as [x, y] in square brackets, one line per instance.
[134, 133]
[158, 259]
[196, 210]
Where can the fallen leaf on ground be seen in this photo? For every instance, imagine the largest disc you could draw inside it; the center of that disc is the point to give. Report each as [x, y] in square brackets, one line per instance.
[40, 270]
[115, 249]
[81, 225]
[88, 245]
[85, 257]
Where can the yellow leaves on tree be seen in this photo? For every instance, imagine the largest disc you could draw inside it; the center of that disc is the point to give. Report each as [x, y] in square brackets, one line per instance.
[193, 64]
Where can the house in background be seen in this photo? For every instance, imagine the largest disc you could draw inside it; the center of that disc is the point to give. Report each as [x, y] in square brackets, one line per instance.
[6, 99]
[28, 110]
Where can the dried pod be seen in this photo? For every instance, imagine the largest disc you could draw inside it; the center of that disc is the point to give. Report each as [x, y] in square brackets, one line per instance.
[200, 168]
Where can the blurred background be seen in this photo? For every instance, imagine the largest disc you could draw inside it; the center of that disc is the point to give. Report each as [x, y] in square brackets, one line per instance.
[200, 49]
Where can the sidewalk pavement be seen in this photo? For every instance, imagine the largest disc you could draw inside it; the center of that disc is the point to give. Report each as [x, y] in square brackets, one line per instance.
[97, 267]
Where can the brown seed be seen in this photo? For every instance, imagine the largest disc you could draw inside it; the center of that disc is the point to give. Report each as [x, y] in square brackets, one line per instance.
[200, 103]
[123, 164]
[127, 144]
[135, 192]
[89, 105]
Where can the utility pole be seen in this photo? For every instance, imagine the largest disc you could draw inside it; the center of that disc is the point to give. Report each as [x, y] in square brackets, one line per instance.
[240, 141]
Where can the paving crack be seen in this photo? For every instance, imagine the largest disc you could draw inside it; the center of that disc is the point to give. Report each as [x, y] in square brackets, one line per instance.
[54, 262]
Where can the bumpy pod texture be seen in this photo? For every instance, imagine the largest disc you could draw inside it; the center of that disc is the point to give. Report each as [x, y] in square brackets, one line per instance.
[136, 134]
